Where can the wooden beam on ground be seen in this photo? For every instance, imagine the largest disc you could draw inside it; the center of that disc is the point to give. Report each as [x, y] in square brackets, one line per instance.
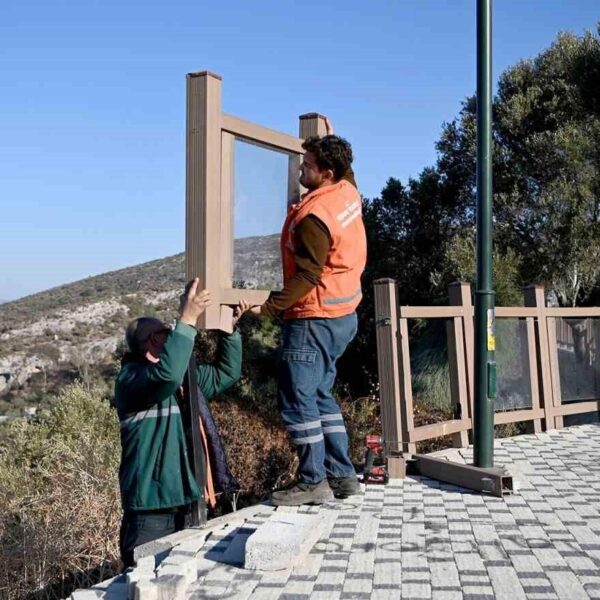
[494, 481]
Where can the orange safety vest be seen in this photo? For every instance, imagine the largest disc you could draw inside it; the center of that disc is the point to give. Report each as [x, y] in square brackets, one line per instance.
[339, 206]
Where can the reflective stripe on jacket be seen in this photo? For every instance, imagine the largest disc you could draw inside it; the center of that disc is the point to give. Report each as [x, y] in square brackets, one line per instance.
[155, 471]
[339, 206]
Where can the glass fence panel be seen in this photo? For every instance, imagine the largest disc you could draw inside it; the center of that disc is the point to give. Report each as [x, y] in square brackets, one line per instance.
[261, 183]
[430, 372]
[512, 363]
[578, 363]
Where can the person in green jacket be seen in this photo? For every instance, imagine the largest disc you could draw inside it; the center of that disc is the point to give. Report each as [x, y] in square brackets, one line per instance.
[156, 479]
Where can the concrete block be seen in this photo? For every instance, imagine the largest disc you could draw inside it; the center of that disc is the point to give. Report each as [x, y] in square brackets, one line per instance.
[236, 551]
[245, 514]
[171, 587]
[188, 570]
[191, 546]
[112, 589]
[280, 542]
[189, 539]
[148, 563]
[135, 576]
[165, 544]
[113, 582]
[116, 593]
[145, 589]
[87, 594]
[176, 558]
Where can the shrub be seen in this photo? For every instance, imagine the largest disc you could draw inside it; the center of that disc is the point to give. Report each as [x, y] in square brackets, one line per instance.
[260, 453]
[59, 497]
[59, 471]
[259, 449]
[362, 418]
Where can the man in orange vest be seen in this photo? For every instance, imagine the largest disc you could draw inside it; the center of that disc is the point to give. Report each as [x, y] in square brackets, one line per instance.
[324, 251]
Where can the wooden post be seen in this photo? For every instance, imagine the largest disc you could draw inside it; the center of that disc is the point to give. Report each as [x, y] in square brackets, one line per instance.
[458, 377]
[406, 397]
[386, 329]
[227, 206]
[534, 297]
[460, 295]
[533, 372]
[226, 242]
[202, 236]
[554, 370]
[309, 124]
[198, 509]
[312, 124]
[203, 188]
[295, 190]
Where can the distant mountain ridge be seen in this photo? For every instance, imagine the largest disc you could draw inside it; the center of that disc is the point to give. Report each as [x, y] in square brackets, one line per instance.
[256, 262]
[74, 326]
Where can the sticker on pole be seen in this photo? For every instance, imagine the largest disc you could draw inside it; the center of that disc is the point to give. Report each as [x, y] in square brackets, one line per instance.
[491, 330]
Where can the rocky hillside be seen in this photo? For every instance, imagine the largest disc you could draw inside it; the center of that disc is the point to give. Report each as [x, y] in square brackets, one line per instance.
[72, 331]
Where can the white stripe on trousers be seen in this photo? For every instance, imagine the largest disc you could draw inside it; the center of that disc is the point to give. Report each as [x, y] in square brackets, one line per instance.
[310, 439]
[334, 417]
[334, 429]
[304, 426]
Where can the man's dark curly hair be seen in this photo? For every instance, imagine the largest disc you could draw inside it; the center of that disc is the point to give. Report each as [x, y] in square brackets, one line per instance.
[331, 152]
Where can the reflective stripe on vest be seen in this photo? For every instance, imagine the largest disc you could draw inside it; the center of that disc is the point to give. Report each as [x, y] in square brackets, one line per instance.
[358, 292]
[339, 207]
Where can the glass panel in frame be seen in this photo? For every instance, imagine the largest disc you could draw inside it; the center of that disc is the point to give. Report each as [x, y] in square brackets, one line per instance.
[512, 359]
[428, 343]
[260, 203]
[578, 364]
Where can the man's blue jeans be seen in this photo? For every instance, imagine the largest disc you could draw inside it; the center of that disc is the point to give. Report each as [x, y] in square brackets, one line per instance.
[140, 527]
[311, 415]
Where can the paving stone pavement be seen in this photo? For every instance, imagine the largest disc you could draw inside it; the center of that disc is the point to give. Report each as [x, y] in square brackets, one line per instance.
[421, 539]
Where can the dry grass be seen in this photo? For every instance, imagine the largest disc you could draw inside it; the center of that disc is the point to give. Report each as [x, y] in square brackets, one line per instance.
[258, 449]
[59, 498]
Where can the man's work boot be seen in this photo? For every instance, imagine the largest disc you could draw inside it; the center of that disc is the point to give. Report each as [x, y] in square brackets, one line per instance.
[303, 493]
[343, 487]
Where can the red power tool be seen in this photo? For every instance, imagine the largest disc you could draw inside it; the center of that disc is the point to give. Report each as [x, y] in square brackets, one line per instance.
[374, 451]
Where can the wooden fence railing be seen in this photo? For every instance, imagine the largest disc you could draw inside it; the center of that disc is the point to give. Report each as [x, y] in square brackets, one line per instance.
[546, 333]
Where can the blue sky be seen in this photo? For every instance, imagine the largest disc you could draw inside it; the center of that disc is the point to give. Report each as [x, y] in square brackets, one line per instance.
[92, 105]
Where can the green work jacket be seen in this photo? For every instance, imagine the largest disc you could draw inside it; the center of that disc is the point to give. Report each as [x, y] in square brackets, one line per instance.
[155, 470]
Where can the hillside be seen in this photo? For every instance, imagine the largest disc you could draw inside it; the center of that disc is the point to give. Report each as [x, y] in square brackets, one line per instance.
[73, 330]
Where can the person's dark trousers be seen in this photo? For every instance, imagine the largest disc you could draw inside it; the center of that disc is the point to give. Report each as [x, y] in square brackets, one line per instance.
[311, 415]
[140, 527]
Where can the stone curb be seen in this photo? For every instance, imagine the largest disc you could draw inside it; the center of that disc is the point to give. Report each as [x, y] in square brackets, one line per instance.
[282, 541]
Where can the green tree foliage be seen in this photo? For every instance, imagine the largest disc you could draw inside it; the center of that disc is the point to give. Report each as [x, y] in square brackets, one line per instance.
[546, 198]
[546, 166]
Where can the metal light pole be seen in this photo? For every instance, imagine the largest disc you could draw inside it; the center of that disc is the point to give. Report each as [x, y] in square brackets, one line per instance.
[485, 341]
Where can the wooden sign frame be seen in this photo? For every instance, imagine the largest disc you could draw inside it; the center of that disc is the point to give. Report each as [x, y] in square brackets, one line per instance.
[210, 141]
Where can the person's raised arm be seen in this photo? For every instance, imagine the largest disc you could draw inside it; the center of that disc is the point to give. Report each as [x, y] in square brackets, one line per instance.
[162, 375]
[349, 174]
[215, 378]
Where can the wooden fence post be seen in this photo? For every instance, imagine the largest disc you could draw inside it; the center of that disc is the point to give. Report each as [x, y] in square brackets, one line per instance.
[458, 377]
[386, 329]
[203, 188]
[406, 396]
[460, 295]
[534, 297]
